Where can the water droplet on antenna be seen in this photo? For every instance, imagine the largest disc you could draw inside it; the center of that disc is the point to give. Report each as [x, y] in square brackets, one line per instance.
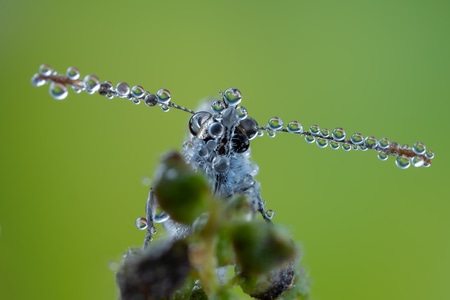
[324, 132]
[45, 70]
[339, 134]
[36, 81]
[294, 127]
[321, 142]
[73, 73]
[275, 123]
[384, 143]
[315, 130]
[122, 89]
[382, 155]
[58, 90]
[357, 138]
[163, 96]
[141, 223]
[370, 142]
[419, 148]
[218, 106]
[138, 91]
[402, 161]
[92, 83]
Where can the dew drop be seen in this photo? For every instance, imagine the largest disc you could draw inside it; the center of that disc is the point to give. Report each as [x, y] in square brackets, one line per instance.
[216, 130]
[150, 100]
[141, 223]
[165, 108]
[211, 145]
[362, 147]
[384, 143]
[58, 90]
[221, 164]
[241, 112]
[77, 89]
[314, 129]
[45, 70]
[355, 147]
[321, 142]
[324, 132]
[136, 101]
[232, 96]
[269, 214]
[271, 133]
[334, 145]
[294, 127]
[163, 96]
[429, 154]
[36, 81]
[260, 131]
[160, 218]
[275, 123]
[138, 91]
[382, 155]
[122, 89]
[405, 147]
[417, 161]
[357, 138]
[92, 83]
[73, 73]
[370, 142]
[218, 106]
[339, 134]
[402, 161]
[310, 139]
[419, 148]
[346, 146]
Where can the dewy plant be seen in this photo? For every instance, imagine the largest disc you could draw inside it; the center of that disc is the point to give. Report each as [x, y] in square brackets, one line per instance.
[207, 199]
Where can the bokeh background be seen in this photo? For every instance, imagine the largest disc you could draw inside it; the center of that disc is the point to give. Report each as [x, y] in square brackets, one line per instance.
[75, 173]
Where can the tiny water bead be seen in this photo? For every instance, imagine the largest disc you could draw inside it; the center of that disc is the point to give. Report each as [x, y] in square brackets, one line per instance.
[92, 83]
[269, 214]
[163, 96]
[370, 142]
[294, 127]
[384, 143]
[382, 155]
[271, 133]
[338, 134]
[150, 100]
[321, 142]
[138, 91]
[232, 96]
[141, 223]
[122, 89]
[314, 129]
[357, 138]
[216, 130]
[402, 161]
[241, 112]
[58, 90]
[221, 164]
[275, 123]
[346, 146]
[37, 81]
[417, 161]
[429, 154]
[218, 106]
[45, 70]
[334, 145]
[419, 148]
[310, 139]
[324, 132]
[73, 73]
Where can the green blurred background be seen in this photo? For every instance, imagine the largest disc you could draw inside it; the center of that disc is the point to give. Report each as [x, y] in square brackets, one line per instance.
[73, 170]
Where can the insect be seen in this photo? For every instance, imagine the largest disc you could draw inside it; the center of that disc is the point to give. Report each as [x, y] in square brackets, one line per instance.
[220, 138]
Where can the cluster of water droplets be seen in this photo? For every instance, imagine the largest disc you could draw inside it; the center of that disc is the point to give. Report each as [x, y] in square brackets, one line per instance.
[60, 84]
[417, 155]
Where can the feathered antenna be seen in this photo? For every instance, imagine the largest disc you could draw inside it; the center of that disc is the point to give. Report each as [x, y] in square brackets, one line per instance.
[418, 155]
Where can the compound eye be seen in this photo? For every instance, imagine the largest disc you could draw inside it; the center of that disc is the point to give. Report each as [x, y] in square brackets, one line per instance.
[198, 121]
[240, 143]
[249, 127]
